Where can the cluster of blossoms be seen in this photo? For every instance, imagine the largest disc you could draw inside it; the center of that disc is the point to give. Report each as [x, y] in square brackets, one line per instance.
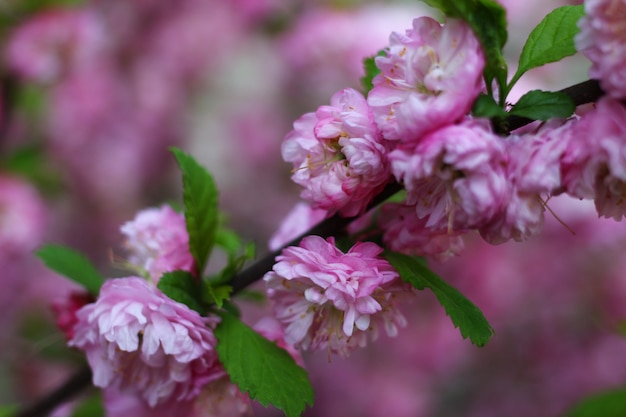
[458, 174]
[149, 352]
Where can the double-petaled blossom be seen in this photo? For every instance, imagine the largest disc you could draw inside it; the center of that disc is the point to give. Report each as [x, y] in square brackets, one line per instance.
[138, 340]
[602, 39]
[455, 176]
[534, 173]
[327, 299]
[337, 155]
[429, 78]
[404, 231]
[594, 162]
[158, 242]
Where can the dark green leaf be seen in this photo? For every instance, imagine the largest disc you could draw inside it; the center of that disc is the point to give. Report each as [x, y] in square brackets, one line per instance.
[486, 106]
[544, 105]
[73, 265]
[463, 313]
[268, 373]
[91, 407]
[371, 71]
[488, 20]
[201, 211]
[605, 404]
[551, 41]
[183, 287]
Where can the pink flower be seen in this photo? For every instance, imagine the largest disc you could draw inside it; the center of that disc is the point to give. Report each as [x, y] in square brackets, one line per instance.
[327, 299]
[455, 176]
[65, 311]
[602, 39]
[405, 232]
[51, 44]
[158, 242]
[138, 340]
[429, 79]
[534, 173]
[594, 163]
[337, 155]
[23, 217]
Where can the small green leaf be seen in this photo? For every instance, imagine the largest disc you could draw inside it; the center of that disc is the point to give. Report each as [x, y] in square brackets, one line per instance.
[201, 211]
[268, 373]
[488, 20]
[544, 105]
[183, 287]
[371, 71]
[90, 407]
[8, 410]
[551, 40]
[218, 294]
[463, 313]
[486, 106]
[73, 265]
[605, 404]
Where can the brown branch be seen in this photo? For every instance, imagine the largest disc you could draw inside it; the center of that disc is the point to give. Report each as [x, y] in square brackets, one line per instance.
[582, 93]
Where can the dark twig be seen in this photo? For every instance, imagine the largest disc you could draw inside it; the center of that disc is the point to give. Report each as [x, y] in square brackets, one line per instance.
[77, 382]
[582, 93]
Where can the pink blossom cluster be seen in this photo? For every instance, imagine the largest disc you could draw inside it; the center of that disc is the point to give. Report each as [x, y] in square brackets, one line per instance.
[602, 39]
[158, 242]
[327, 299]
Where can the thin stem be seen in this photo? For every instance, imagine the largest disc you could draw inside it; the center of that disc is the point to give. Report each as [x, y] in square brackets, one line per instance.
[74, 385]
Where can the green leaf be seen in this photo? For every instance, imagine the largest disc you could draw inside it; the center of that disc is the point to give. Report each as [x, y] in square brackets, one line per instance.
[268, 373]
[73, 265]
[183, 287]
[544, 105]
[371, 71]
[486, 106]
[8, 410]
[201, 211]
[551, 40]
[217, 294]
[605, 404]
[91, 407]
[463, 313]
[488, 20]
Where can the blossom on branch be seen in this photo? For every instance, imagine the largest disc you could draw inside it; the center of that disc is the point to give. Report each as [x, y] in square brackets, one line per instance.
[158, 242]
[594, 163]
[138, 340]
[429, 78]
[602, 39]
[337, 155]
[455, 176]
[327, 299]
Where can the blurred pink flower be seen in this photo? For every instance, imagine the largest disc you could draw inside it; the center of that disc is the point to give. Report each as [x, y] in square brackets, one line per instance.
[55, 43]
[594, 163]
[337, 155]
[602, 39]
[405, 232]
[23, 217]
[332, 300]
[138, 340]
[455, 176]
[158, 242]
[429, 78]
[300, 219]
